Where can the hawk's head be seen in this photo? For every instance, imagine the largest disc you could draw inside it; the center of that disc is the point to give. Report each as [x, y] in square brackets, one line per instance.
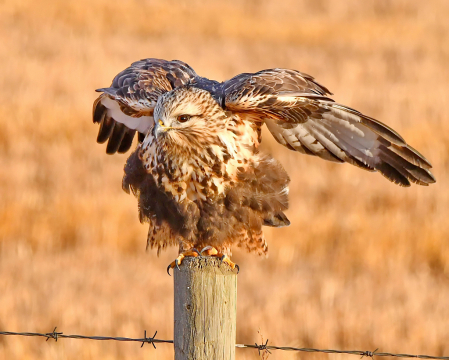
[188, 114]
[188, 119]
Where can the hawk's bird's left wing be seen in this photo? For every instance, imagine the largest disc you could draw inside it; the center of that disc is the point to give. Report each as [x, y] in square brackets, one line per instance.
[300, 116]
[127, 105]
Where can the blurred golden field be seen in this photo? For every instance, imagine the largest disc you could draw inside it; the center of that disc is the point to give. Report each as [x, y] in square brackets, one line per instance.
[364, 265]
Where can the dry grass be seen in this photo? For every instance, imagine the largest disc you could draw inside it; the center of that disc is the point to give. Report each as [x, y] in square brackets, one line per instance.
[365, 264]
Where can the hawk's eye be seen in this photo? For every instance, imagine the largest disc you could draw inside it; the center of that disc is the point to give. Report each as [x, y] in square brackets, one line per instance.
[183, 118]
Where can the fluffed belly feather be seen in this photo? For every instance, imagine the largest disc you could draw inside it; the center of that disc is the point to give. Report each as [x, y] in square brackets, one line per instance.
[232, 215]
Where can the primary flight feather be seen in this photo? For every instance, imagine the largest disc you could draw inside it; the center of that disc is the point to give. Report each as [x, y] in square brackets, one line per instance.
[197, 172]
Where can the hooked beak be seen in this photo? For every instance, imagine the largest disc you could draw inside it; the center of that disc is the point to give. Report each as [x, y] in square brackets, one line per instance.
[161, 128]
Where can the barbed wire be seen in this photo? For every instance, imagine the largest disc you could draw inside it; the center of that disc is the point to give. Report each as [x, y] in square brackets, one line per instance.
[59, 335]
[264, 347]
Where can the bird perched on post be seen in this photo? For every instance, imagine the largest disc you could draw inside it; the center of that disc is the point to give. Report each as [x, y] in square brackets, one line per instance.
[199, 178]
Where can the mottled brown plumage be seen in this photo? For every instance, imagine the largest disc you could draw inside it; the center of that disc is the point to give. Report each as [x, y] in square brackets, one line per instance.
[197, 172]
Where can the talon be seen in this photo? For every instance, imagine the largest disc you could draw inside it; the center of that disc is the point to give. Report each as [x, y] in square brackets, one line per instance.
[178, 260]
[228, 261]
[210, 251]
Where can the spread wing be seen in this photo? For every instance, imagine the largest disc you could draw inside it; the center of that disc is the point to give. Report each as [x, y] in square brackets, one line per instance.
[126, 107]
[301, 117]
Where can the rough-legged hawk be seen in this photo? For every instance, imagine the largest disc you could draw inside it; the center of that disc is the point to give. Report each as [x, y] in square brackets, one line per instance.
[197, 172]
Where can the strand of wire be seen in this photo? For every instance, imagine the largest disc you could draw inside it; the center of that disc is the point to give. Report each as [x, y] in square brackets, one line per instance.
[59, 335]
[260, 347]
[266, 347]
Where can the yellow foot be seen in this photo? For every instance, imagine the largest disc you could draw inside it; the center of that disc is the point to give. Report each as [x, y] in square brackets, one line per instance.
[178, 260]
[211, 251]
[227, 260]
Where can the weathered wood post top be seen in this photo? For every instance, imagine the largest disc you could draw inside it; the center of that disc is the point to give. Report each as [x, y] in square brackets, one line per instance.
[205, 292]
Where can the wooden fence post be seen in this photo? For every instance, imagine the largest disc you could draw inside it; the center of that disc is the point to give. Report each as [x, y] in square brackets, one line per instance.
[205, 292]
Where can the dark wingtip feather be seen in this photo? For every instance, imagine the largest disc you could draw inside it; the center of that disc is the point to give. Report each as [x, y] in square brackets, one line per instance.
[422, 175]
[106, 128]
[140, 137]
[99, 111]
[127, 141]
[116, 138]
[414, 173]
[392, 174]
[412, 155]
[100, 116]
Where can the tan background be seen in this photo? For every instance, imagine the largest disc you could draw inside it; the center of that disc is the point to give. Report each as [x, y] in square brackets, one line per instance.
[364, 265]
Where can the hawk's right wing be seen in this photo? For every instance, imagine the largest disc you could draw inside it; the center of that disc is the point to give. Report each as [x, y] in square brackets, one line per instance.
[127, 105]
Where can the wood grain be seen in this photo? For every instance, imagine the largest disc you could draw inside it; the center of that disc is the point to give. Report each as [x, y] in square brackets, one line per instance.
[205, 310]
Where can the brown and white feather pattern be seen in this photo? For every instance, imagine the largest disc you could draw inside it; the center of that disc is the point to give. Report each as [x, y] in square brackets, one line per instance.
[197, 172]
[208, 169]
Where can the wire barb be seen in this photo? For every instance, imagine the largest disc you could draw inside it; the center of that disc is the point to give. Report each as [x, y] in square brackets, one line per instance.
[53, 335]
[369, 353]
[263, 347]
[149, 340]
